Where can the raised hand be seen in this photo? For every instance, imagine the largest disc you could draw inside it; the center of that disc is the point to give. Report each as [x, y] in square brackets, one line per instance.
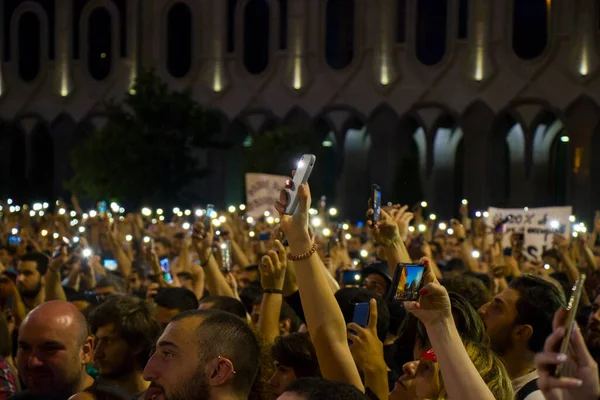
[202, 241]
[295, 227]
[272, 268]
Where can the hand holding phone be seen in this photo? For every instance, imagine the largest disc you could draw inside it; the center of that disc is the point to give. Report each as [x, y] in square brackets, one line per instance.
[303, 171]
[407, 282]
[572, 308]
[376, 203]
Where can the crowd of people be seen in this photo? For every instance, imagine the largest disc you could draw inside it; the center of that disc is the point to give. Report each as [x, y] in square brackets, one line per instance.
[220, 305]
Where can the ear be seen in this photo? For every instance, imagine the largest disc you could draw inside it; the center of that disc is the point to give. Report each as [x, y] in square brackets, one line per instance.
[285, 326]
[86, 354]
[220, 371]
[523, 333]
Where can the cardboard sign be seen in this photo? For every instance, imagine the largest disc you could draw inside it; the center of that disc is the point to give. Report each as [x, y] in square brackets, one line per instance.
[538, 226]
[262, 191]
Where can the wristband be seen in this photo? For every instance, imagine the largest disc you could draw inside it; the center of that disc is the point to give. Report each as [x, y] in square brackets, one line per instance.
[204, 264]
[303, 256]
[273, 291]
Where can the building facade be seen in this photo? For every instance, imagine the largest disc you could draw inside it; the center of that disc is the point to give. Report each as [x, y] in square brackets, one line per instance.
[437, 100]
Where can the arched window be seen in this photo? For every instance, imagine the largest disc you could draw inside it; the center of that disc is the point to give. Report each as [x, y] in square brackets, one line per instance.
[122, 8]
[231, 6]
[432, 18]
[283, 24]
[530, 28]
[463, 19]
[179, 40]
[256, 36]
[400, 21]
[29, 46]
[100, 51]
[41, 175]
[339, 36]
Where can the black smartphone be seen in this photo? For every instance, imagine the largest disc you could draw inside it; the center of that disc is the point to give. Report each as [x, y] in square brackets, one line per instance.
[264, 236]
[572, 307]
[351, 277]
[408, 280]
[376, 203]
[500, 225]
[165, 266]
[361, 314]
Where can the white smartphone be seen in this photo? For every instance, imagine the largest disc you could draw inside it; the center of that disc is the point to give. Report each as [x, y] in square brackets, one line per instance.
[303, 170]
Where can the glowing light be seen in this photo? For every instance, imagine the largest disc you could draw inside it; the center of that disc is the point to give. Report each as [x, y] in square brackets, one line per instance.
[44, 232]
[14, 231]
[146, 239]
[442, 226]
[450, 231]
[146, 211]
[180, 214]
[161, 218]
[316, 222]
[345, 227]
[75, 239]
[176, 210]
[46, 205]
[364, 253]
[300, 164]
[277, 220]
[37, 206]
[41, 213]
[554, 224]
[465, 202]
[213, 214]
[312, 211]
[250, 220]
[73, 214]
[32, 213]
[411, 228]
[546, 266]
[486, 214]
[199, 212]
[121, 210]
[242, 207]
[74, 222]
[475, 254]
[584, 66]
[433, 217]
[326, 232]
[186, 225]
[525, 208]
[188, 212]
[333, 211]
[87, 253]
[11, 209]
[423, 204]
[216, 222]
[62, 211]
[575, 234]
[18, 208]
[267, 213]
[348, 236]
[55, 235]
[81, 229]
[270, 220]
[478, 214]
[564, 139]
[93, 213]
[251, 234]
[422, 228]
[572, 218]
[222, 219]
[231, 209]
[327, 143]
[218, 79]
[128, 238]
[154, 220]
[159, 211]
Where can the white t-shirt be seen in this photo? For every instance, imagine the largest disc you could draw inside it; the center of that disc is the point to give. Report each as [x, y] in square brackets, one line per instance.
[521, 381]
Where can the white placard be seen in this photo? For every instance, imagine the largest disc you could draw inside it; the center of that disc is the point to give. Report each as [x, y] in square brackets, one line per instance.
[262, 191]
[538, 226]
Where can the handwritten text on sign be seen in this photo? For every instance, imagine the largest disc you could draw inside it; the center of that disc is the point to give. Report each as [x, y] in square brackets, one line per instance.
[262, 190]
[538, 226]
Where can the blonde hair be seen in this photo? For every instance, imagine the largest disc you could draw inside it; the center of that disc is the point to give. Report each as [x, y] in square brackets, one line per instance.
[489, 366]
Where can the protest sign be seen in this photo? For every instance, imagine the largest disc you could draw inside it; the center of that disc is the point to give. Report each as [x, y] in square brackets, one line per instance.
[262, 191]
[538, 226]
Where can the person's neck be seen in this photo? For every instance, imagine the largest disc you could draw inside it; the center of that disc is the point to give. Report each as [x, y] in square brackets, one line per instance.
[133, 383]
[224, 394]
[518, 362]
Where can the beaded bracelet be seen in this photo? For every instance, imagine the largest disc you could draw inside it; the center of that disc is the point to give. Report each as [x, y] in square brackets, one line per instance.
[303, 256]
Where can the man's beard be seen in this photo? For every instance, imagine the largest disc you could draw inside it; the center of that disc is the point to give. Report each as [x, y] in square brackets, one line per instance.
[30, 294]
[120, 371]
[592, 340]
[196, 387]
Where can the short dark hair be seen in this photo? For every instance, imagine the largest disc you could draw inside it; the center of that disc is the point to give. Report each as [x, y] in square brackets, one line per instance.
[112, 281]
[222, 334]
[176, 298]
[470, 287]
[227, 304]
[40, 259]
[133, 320]
[287, 312]
[347, 299]
[537, 303]
[319, 388]
[553, 253]
[250, 295]
[296, 351]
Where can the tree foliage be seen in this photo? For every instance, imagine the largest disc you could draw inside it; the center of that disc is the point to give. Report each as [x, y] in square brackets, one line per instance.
[144, 154]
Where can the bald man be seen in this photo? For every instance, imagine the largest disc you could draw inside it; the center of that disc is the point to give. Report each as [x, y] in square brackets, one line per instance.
[54, 349]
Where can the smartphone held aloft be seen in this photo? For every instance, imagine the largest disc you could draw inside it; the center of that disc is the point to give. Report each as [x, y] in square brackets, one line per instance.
[303, 171]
